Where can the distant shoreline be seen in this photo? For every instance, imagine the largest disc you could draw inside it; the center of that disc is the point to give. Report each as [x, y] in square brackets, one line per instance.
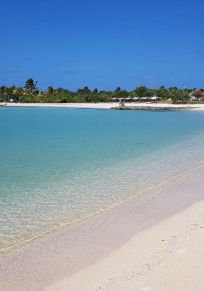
[113, 105]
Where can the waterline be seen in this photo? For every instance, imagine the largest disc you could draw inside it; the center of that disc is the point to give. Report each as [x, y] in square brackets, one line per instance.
[91, 215]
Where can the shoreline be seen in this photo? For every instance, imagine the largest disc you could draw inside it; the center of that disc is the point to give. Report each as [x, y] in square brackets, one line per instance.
[92, 215]
[72, 249]
[113, 105]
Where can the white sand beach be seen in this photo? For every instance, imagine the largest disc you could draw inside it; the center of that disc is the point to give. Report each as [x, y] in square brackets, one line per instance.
[107, 105]
[152, 243]
[168, 256]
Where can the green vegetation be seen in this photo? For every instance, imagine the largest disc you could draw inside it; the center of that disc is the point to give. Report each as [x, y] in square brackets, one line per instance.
[31, 94]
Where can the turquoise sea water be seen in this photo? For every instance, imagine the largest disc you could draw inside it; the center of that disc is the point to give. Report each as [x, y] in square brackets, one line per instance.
[58, 165]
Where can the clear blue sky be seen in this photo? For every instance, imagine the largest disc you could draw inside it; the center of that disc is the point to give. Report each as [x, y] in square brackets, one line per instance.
[106, 43]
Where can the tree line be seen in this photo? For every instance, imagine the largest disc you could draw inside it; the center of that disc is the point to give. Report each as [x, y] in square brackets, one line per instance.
[30, 93]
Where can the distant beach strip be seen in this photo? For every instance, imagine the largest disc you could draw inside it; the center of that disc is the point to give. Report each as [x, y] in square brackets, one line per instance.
[114, 105]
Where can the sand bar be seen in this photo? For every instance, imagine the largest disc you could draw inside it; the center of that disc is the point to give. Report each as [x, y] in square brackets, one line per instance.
[145, 244]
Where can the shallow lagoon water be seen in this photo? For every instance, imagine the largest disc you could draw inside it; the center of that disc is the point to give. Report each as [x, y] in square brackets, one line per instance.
[58, 164]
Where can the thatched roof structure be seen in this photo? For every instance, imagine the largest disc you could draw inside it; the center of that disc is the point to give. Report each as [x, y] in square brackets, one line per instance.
[198, 93]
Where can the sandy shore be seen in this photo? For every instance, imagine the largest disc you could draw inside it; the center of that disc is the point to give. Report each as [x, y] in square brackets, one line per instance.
[106, 105]
[152, 243]
[64, 105]
[166, 257]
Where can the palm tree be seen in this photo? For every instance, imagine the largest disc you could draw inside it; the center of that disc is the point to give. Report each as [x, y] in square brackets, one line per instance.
[30, 85]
